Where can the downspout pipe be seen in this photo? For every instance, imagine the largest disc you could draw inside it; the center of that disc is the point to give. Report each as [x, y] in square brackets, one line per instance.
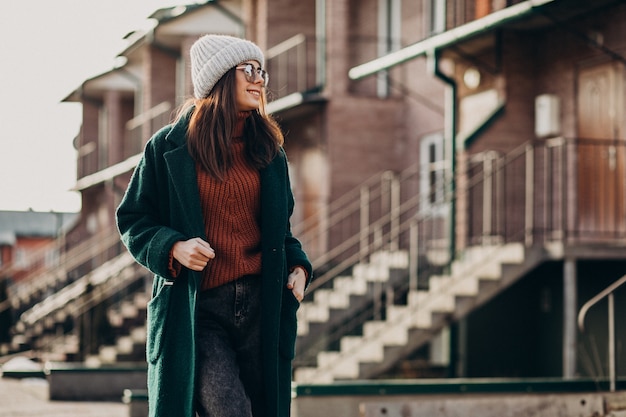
[450, 134]
[450, 118]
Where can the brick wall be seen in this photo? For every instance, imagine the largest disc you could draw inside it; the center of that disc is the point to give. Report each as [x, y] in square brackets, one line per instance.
[159, 81]
[88, 140]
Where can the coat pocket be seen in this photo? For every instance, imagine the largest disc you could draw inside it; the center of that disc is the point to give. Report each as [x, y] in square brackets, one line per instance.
[288, 325]
[157, 320]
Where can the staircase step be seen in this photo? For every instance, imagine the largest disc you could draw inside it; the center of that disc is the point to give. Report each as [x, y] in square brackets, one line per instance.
[331, 298]
[371, 272]
[313, 312]
[373, 328]
[441, 302]
[124, 345]
[395, 313]
[313, 376]
[340, 297]
[337, 365]
[350, 285]
[139, 334]
[359, 349]
[108, 354]
[390, 333]
[391, 259]
[327, 359]
[407, 327]
[487, 261]
[467, 285]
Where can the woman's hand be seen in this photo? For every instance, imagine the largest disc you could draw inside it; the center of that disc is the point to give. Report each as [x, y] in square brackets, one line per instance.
[193, 253]
[296, 281]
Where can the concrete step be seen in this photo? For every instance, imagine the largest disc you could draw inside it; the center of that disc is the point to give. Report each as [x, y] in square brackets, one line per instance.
[363, 275]
[425, 313]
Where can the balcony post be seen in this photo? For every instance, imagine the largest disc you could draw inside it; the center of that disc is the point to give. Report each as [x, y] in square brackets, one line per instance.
[529, 195]
[570, 305]
[364, 223]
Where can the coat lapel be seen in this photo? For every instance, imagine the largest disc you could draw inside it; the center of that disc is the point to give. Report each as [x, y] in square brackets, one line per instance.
[182, 174]
[273, 201]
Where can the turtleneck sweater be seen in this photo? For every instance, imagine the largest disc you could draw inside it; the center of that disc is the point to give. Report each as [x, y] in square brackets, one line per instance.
[231, 211]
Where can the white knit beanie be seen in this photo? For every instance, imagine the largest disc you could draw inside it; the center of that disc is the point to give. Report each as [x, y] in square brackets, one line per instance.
[213, 55]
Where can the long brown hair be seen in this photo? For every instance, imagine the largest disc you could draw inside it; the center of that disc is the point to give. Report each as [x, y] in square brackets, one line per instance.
[212, 124]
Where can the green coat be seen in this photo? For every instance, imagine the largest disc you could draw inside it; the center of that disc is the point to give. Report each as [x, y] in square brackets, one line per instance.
[162, 206]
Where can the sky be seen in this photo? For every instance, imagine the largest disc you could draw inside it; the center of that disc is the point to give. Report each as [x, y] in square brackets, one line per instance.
[47, 49]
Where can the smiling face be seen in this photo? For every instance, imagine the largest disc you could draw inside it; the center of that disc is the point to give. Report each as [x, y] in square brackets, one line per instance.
[248, 94]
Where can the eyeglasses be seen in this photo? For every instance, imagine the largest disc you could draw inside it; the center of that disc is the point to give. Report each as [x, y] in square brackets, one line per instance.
[251, 73]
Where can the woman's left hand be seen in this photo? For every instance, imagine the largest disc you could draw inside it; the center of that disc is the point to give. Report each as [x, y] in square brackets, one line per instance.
[296, 283]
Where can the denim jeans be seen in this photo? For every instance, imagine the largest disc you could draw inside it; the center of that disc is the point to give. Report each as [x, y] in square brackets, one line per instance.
[229, 379]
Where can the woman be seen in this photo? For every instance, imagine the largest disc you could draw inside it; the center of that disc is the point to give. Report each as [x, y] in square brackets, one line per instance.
[207, 211]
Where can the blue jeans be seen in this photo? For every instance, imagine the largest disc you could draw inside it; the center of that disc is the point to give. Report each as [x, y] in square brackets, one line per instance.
[229, 379]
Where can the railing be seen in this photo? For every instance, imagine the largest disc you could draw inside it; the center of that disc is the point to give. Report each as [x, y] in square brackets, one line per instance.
[562, 189]
[531, 194]
[464, 11]
[109, 281]
[379, 215]
[72, 264]
[386, 213]
[91, 252]
[142, 126]
[608, 292]
[78, 271]
[293, 66]
[91, 159]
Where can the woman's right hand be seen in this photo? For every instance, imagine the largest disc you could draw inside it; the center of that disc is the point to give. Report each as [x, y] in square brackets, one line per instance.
[193, 253]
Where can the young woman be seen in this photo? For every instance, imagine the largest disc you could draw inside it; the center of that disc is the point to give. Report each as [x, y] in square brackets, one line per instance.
[207, 211]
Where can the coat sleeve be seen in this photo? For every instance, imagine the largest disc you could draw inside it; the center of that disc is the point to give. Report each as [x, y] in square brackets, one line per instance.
[142, 216]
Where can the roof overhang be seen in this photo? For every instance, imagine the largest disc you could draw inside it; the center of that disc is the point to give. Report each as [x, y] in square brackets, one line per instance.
[107, 174]
[118, 79]
[450, 37]
[175, 24]
[296, 104]
[168, 28]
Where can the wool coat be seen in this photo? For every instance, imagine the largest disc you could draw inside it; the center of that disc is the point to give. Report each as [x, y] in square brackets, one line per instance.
[162, 206]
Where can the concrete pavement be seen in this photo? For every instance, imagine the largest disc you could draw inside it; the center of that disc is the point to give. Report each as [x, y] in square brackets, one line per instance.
[29, 398]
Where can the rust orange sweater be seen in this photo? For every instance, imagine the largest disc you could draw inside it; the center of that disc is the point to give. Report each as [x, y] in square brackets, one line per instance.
[231, 210]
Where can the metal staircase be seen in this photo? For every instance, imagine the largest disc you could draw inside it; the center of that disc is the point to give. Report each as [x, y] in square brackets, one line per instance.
[51, 306]
[407, 327]
[362, 328]
[386, 279]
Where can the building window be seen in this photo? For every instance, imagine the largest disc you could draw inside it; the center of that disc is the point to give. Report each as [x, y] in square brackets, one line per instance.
[432, 170]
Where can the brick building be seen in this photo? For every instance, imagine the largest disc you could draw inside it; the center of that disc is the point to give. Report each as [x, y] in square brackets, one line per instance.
[457, 167]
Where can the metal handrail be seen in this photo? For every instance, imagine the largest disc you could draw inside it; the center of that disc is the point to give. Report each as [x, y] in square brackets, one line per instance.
[382, 228]
[293, 64]
[32, 288]
[100, 247]
[607, 292]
